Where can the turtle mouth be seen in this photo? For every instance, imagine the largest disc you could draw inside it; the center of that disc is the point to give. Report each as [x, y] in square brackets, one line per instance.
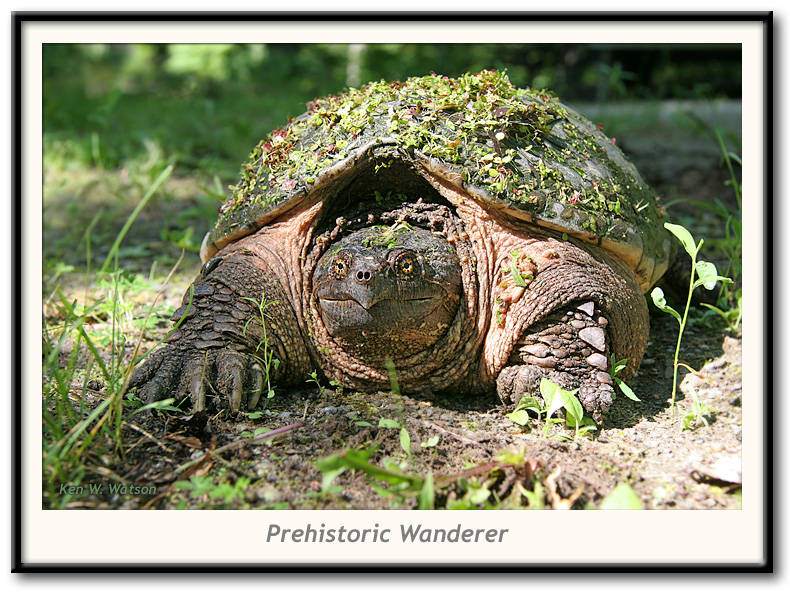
[394, 304]
[351, 300]
[344, 315]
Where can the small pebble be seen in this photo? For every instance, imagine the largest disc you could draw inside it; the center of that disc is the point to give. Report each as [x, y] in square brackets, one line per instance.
[546, 362]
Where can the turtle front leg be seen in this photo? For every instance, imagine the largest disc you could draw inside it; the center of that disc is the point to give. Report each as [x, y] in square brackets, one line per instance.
[238, 334]
[569, 347]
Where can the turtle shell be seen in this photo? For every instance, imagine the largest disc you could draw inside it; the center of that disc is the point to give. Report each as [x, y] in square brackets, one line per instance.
[520, 151]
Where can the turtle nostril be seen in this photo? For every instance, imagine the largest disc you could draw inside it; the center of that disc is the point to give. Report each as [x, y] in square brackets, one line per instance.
[364, 276]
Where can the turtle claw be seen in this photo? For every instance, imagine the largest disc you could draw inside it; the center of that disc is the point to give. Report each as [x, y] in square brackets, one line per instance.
[155, 379]
[192, 374]
[230, 366]
[256, 385]
[195, 382]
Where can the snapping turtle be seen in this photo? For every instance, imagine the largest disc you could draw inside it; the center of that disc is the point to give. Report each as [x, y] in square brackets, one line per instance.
[478, 236]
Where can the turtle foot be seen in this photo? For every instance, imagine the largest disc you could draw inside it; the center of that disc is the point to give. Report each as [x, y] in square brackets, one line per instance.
[570, 348]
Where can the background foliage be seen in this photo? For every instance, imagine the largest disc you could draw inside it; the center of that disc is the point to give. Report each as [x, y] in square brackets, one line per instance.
[208, 105]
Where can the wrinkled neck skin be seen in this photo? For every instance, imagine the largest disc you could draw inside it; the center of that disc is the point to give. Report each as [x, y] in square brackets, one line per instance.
[429, 333]
[554, 273]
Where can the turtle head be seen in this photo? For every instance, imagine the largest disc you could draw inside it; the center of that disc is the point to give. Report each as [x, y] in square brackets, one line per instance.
[388, 291]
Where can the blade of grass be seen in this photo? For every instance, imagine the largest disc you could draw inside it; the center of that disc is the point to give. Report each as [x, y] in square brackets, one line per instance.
[726, 154]
[149, 193]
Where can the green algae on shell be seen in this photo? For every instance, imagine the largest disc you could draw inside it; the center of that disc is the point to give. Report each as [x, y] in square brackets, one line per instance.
[518, 150]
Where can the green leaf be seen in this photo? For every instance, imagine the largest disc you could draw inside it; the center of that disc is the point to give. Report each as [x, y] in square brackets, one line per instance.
[518, 280]
[478, 494]
[529, 403]
[389, 423]
[426, 495]
[548, 390]
[557, 398]
[622, 497]
[617, 366]
[432, 441]
[571, 420]
[329, 477]
[519, 417]
[572, 404]
[707, 275]
[625, 389]
[405, 440]
[661, 303]
[684, 237]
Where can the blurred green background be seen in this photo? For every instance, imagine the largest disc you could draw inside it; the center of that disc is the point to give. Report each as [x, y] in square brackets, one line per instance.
[208, 105]
[115, 116]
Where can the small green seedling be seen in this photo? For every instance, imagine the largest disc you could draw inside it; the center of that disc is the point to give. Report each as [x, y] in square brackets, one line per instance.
[405, 438]
[615, 367]
[220, 493]
[703, 274]
[697, 414]
[322, 391]
[269, 362]
[554, 400]
[387, 480]
[431, 443]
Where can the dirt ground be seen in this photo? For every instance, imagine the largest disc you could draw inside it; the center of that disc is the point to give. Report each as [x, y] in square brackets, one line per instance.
[460, 440]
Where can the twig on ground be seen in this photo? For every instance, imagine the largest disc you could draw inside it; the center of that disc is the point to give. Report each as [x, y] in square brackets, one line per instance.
[557, 502]
[441, 429]
[142, 431]
[238, 444]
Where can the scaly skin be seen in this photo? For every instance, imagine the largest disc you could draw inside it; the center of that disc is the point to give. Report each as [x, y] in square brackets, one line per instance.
[220, 346]
[559, 275]
[509, 329]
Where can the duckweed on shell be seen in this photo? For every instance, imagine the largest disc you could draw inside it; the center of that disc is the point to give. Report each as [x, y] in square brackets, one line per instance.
[519, 149]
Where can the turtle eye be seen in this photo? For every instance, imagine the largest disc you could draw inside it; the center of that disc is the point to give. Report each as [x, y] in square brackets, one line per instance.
[341, 264]
[404, 263]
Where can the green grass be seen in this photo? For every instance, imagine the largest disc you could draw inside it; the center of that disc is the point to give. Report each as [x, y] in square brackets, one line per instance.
[77, 356]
